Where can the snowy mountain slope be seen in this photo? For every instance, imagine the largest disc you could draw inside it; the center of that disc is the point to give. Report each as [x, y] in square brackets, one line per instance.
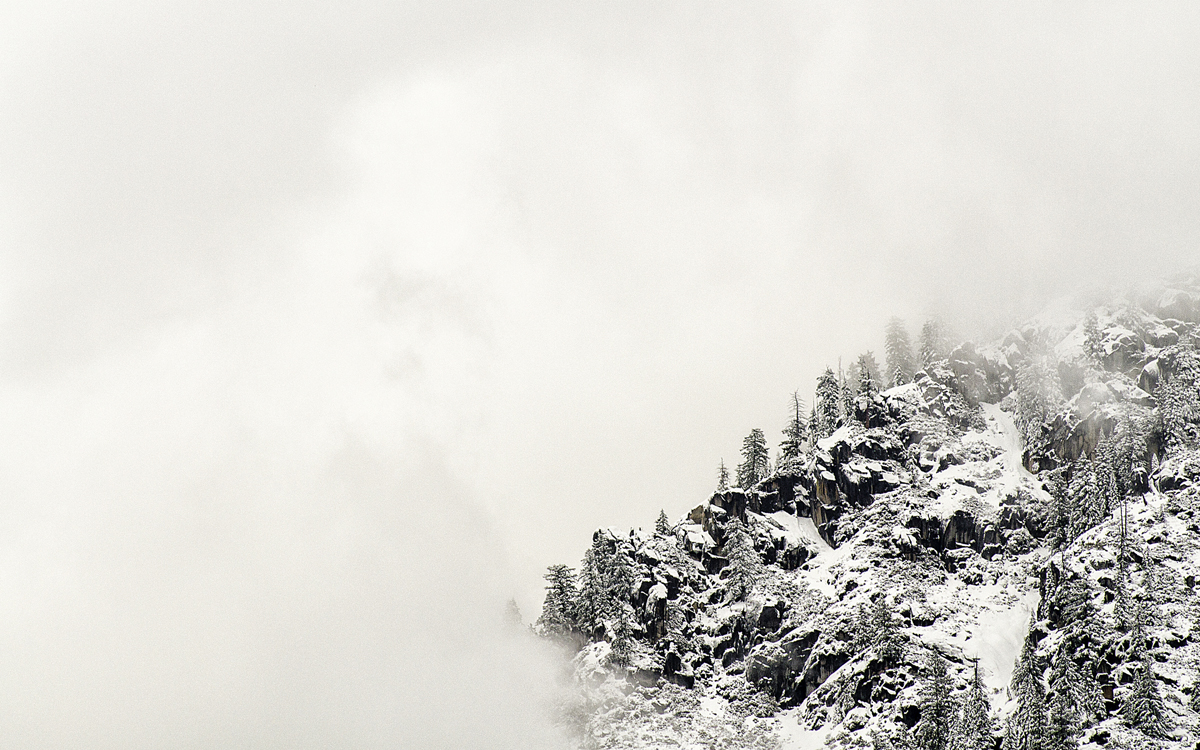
[1022, 508]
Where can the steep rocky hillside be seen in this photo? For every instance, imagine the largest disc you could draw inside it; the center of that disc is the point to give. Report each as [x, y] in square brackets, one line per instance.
[1023, 511]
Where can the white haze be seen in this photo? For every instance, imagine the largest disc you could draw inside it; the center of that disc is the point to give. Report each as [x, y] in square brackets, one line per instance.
[324, 328]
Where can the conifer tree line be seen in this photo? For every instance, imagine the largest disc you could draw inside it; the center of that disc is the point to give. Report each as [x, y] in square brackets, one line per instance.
[841, 398]
[596, 602]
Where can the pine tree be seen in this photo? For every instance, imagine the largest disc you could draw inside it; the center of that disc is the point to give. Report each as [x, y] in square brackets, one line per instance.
[794, 434]
[846, 393]
[755, 460]
[1143, 707]
[933, 344]
[827, 405]
[1092, 339]
[1061, 715]
[722, 477]
[1087, 495]
[937, 707]
[974, 728]
[662, 526]
[622, 578]
[1038, 396]
[875, 629]
[594, 603]
[1075, 700]
[621, 636]
[745, 566]
[900, 365]
[1178, 396]
[558, 616]
[512, 615]
[1060, 515]
[1027, 725]
[866, 374]
[867, 386]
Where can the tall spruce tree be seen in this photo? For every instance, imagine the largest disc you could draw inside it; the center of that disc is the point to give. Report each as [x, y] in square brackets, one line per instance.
[745, 566]
[898, 348]
[974, 728]
[1143, 707]
[662, 525]
[1178, 396]
[558, 608]
[847, 390]
[594, 603]
[1092, 338]
[722, 477]
[867, 380]
[755, 460]
[936, 705]
[933, 342]
[827, 404]
[794, 433]
[889, 642]
[1061, 716]
[1027, 724]
[1039, 396]
[866, 387]
[621, 636]
[1075, 700]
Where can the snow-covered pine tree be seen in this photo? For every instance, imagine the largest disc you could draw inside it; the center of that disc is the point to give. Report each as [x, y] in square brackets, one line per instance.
[1143, 707]
[846, 393]
[745, 566]
[1178, 395]
[866, 386]
[1061, 521]
[594, 603]
[1027, 727]
[1092, 338]
[933, 342]
[794, 433]
[974, 728]
[662, 526]
[1087, 496]
[936, 705]
[621, 649]
[827, 405]
[722, 477]
[1075, 700]
[866, 375]
[558, 608]
[622, 577]
[755, 460]
[886, 638]
[1039, 395]
[1061, 715]
[898, 348]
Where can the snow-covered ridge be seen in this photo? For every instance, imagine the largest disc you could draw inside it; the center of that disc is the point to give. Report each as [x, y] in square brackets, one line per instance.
[950, 520]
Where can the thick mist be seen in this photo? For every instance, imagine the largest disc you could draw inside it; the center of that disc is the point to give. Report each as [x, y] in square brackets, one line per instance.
[324, 329]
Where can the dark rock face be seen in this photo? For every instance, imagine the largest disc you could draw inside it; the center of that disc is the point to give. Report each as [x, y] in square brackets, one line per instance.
[960, 531]
[779, 492]
[980, 376]
[848, 473]
[788, 669]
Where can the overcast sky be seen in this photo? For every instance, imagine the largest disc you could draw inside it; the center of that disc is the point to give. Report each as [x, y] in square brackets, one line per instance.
[324, 328]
